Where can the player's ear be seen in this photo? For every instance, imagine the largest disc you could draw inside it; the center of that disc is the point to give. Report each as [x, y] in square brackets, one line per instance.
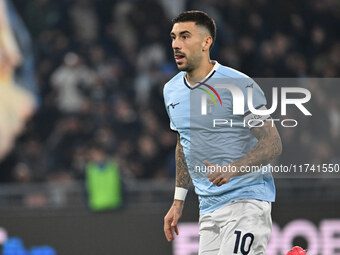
[207, 41]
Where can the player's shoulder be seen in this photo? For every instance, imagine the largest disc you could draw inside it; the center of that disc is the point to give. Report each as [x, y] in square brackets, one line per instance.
[235, 77]
[228, 72]
[174, 81]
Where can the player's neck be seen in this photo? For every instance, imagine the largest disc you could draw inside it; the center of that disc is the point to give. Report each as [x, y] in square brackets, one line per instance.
[199, 73]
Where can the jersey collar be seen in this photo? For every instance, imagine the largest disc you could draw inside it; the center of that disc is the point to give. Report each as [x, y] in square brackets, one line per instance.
[205, 79]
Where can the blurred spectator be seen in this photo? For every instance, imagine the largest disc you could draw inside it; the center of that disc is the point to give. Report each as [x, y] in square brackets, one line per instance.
[68, 81]
[84, 20]
[103, 181]
[22, 173]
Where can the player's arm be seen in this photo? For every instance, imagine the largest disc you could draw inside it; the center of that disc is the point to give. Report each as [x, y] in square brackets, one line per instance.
[182, 186]
[267, 148]
[182, 173]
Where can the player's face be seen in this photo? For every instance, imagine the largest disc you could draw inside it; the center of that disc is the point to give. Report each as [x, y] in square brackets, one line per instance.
[187, 43]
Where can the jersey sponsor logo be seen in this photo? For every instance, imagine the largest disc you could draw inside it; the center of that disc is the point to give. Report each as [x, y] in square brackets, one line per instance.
[173, 105]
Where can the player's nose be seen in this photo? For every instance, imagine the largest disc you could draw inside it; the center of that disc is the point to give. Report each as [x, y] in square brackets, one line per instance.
[176, 44]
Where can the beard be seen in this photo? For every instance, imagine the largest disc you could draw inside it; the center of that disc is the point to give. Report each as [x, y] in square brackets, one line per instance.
[189, 66]
[185, 68]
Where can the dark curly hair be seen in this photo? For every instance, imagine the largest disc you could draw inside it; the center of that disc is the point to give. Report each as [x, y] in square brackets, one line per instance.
[200, 18]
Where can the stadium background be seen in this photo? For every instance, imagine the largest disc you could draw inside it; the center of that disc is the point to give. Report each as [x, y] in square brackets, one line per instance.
[95, 71]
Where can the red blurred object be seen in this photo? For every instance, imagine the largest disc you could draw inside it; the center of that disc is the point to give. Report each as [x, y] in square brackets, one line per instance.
[296, 251]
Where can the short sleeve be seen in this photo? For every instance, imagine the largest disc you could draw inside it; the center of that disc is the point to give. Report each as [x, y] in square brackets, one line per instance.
[259, 103]
[259, 98]
[172, 125]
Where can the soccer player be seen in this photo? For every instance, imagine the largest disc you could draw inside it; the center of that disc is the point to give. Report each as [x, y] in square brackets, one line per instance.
[235, 205]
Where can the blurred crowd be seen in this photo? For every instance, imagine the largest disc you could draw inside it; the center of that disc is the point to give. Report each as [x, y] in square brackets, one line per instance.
[101, 66]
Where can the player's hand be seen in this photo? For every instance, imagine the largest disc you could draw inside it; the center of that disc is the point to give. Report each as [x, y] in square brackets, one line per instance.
[171, 220]
[219, 176]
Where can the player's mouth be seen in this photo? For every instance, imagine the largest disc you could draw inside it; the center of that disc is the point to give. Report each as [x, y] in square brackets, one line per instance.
[179, 57]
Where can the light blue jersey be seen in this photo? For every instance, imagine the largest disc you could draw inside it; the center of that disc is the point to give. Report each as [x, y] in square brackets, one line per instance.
[209, 130]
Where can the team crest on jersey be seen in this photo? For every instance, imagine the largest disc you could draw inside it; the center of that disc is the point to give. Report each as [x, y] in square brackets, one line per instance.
[210, 105]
